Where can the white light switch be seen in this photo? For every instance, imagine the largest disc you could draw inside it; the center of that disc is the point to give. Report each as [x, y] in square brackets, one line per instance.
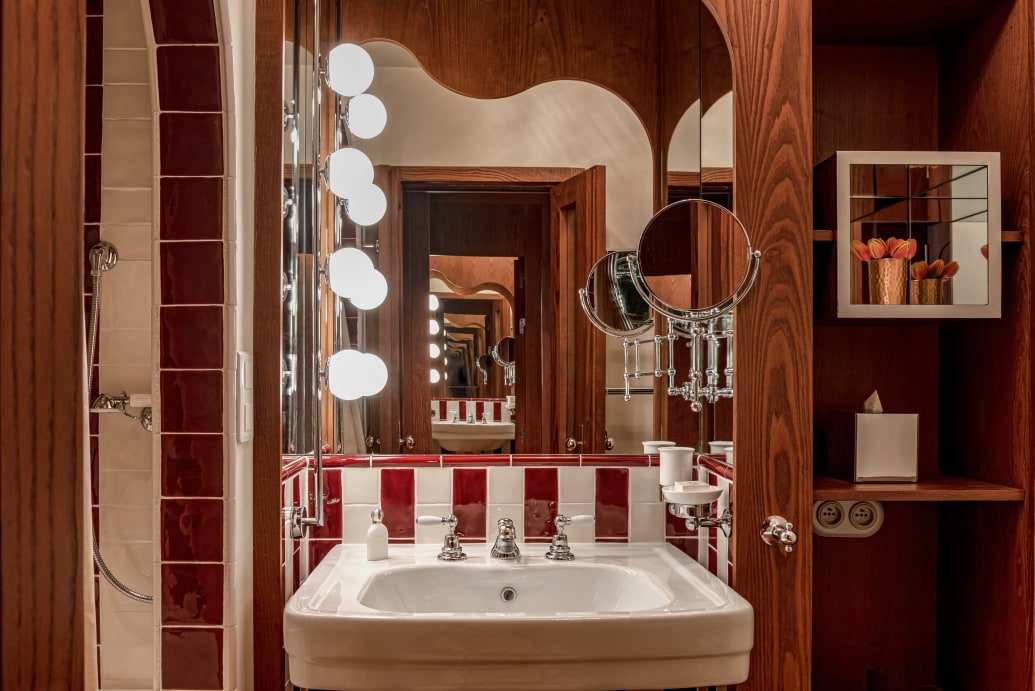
[245, 398]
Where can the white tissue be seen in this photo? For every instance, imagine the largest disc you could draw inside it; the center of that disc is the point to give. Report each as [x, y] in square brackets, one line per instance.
[872, 404]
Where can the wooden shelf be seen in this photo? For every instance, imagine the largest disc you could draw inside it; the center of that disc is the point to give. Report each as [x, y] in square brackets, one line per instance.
[931, 487]
[820, 235]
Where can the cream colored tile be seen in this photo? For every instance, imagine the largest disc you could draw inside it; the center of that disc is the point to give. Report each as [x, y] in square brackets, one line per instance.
[126, 524]
[126, 296]
[124, 444]
[431, 534]
[233, 271]
[126, 148]
[126, 206]
[647, 522]
[506, 485]
[434, 485]
[125, 347]
[129, 629]
[585, 532]
[643, 484]
[133, 242]
[126, 66]
[576, 485]
[126, 488]
[127, 101]
[123, 24]
[133, 564]
[355, 519]
[115, 380]
[361, 486]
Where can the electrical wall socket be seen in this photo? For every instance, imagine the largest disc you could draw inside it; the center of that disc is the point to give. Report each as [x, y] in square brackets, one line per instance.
[847, 518]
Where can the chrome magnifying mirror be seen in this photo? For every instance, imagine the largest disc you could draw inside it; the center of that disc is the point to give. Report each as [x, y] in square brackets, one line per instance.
[503, 354]
[611, 301]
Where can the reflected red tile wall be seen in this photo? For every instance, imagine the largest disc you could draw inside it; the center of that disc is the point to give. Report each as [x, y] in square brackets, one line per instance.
[612, 503]
[397, 502]
[540, 503]
[331, 528]
[192, 465]
[192, 594]
[469, 499]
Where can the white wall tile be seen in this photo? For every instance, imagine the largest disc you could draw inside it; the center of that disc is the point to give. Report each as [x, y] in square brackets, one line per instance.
[123, 24]
[430, 534]
[355, 519]
[126, 65]
[126, 296]
[131, 379]
[127, 101]
[133, 564]
[643, 484]
[434, 486]
[133, 241]
[646, 522]
[126, 523]
[125, 347]
[361, 486]
[506, 485]
[576, 485]
[126, 148]
[126, 206]
[578, 533]
[126, 488]
[123, 444]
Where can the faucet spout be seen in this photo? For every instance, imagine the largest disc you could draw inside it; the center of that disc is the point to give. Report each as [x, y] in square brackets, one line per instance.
[505, 547]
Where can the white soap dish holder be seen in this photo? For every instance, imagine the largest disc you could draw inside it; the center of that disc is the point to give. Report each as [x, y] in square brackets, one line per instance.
[692, 501]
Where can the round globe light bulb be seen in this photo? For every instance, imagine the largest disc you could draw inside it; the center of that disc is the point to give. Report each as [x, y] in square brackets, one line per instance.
[435, 351]
[345, 373]
[433, 327]
[375, 374]
[435, 376]
[349, 69]
[371, 292]
[433, 302]
[367, 116]
[349, 172]
[348, 270]
[367, 205]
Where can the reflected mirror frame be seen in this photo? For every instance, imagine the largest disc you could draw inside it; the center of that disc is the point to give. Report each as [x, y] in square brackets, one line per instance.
[706, 313]
[590, 310]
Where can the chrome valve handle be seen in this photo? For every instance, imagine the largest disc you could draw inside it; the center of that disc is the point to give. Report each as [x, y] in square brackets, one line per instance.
[559, 550]
[776, 530]
[451, 549]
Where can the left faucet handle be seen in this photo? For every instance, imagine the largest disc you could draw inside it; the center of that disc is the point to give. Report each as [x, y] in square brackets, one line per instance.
[451, 549]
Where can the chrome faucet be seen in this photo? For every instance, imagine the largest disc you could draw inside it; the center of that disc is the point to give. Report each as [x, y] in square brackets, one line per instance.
[505, 548]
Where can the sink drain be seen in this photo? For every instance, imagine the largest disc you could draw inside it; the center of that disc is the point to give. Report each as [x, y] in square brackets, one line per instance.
[508, 594]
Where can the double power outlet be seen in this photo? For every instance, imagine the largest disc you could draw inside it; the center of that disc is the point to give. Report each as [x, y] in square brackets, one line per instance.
[847, 518]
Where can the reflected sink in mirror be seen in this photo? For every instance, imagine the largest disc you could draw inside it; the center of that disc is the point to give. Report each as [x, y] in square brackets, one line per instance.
[472, 437]
[621, 616]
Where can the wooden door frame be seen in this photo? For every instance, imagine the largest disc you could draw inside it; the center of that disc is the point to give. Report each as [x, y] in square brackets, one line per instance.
[41, 345]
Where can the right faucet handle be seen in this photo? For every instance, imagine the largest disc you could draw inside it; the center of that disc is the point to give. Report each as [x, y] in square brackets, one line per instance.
[559, 549]
[563, 521]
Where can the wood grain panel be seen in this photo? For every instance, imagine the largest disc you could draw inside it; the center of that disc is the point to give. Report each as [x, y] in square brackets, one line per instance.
[41, 345]
[874, 98]
[267, 572]
[931, 487]
[987, 98]
[773, 402]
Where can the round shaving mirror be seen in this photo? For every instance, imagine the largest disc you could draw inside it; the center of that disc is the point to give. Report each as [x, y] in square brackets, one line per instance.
[503, 351]
[694, 261]
[611, 301]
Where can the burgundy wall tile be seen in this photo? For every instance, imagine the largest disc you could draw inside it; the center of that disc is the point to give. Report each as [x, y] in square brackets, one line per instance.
[612, 504]
[346, 461]
[192, 530]
[94, 51]
[192, 401]
[192, 465]
[91, 236]
[192, 658]
[191, 337]
[623, 460]
[469, 498]
[318, 549]
[188, 78]
[296, 567]
[331, 528]
[540, 503]
[94, 7]
[192, 273]
[191, 209]
[397, 500]
[545, 459]
[92, 188]
[184, 21]
[191, 144]
[94, 119]
[95, 472]
[480, 459]
[192, 594]
[686, 545]
[406, 461]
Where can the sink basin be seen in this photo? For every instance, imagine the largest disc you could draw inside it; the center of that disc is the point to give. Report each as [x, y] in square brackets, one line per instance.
[472, 436]
[621, 616]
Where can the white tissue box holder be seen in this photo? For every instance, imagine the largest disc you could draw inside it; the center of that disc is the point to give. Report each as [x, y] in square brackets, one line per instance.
[874, 447]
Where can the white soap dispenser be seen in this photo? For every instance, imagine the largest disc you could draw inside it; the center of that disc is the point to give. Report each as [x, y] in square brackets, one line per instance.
[377, 537]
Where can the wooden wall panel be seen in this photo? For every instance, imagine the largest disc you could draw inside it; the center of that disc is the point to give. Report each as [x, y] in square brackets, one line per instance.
[41, 345]
[771, 48]
[987, 99]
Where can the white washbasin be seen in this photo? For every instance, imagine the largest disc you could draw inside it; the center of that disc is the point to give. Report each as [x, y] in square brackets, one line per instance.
[620, 616]
[472, 436]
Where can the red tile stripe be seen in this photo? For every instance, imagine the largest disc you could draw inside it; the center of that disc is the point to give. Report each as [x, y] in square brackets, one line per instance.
[612, 503]
[469, 501]
[397, 502]
[540, 503]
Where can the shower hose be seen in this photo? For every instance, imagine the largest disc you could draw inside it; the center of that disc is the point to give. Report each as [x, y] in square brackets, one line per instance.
[98, 264]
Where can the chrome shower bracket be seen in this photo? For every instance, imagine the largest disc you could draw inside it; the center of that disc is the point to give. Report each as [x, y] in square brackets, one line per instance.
[294, 521]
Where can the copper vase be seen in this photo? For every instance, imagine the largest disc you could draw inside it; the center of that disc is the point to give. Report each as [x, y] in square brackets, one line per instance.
[888, 279]
[927, 291]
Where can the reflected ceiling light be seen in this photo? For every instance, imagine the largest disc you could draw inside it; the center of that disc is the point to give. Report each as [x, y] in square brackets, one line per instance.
[435, 376]
[344, 374]
[349, 69]
[349, 172]
[435, 351]
[367, 204]
[375, 375]
[366, 116]
[348, 270]
[371, 291]
[433, 327]
[433, 302]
